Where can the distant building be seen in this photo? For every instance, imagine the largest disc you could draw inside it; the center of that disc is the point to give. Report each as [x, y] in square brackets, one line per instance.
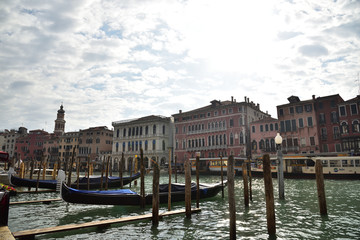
[154, 134]
[298, 126]
[221, 128]
[68, 142]
[327, 117]
[349, 117]
[31, 146]
[94, 143]
[263, 133]
[10, 138]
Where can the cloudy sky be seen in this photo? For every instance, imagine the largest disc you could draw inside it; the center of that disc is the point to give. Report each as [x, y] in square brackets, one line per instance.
[113, 60]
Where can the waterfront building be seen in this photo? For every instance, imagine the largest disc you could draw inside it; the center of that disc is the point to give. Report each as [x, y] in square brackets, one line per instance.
[349, 118]
[298, 126]
[94, 143]
[218, 129]
[262, 134]
[327, 117]
[31, 145]
[67, 143]
[10, 137]
[154, 134]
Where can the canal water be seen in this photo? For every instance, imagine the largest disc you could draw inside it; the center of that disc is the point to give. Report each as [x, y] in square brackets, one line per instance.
[297, 217]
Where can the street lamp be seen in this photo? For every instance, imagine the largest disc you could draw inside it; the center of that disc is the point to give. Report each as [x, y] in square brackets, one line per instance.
[280, 173]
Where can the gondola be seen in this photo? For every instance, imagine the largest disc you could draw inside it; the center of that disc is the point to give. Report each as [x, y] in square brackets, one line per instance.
[129, 197]
[94, 183]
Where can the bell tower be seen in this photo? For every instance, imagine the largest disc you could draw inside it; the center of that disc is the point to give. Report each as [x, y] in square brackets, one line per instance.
[60, 121]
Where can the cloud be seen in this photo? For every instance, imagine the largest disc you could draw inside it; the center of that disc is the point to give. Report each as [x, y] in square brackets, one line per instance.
[315, 50]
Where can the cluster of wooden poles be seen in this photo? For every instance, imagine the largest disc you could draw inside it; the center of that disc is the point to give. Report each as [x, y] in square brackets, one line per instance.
[269, 194]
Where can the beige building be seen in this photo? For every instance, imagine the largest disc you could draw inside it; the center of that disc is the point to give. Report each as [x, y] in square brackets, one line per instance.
[154, 134]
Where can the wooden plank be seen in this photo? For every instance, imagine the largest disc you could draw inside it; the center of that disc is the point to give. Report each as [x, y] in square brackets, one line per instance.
[33, 232]
[40, 191]
[37, 201]
[5, 233]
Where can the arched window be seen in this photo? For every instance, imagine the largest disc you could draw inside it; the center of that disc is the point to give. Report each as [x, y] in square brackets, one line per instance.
[272, 145]
[146, 130]
[267, 145]
[146, 145]
[231, 139]
[163, 129]
[137, 131]
[129, 146]
[225, 139]
[140, 131]
[129, 132]
[154, 129]
[117, 147]
[117, 132]
[355, 126]
[241, 138]
[220, 137]
[261, 144]
[209, 140]
[124, 132]
[254, 145]
[154, 144]
[123, 147]
[344, 127]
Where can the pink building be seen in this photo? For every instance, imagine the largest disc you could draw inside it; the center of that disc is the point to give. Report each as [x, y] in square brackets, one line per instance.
[298, 126]
[221, 128]
[263, 134]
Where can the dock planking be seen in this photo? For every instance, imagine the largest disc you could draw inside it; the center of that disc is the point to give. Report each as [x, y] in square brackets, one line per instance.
[45, 201]
[28, 234]
[5, 233]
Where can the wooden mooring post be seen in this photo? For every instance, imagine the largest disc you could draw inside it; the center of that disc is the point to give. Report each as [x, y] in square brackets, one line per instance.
[246, 184]
[121, 170]
[70, 168]
[197, 179]
[155, 199]
[142, 176]
[107, 173]
[176, 169]
[250, 179]
[320, 187]
[169, 188]
[231, 196]
[222, 176]
[187, 188]
[269, 195]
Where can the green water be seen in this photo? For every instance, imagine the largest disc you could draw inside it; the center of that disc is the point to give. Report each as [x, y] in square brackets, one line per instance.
[297, 217]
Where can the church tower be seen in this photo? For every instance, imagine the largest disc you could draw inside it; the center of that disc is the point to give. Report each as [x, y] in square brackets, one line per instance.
[60, 122]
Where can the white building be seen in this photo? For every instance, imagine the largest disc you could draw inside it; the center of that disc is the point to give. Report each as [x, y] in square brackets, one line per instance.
[154, 134]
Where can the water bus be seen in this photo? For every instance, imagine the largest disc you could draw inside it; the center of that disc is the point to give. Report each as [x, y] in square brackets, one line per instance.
[213, 165]
[302, 166]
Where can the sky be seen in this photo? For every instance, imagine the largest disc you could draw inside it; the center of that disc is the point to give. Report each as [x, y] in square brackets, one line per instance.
[108, 61]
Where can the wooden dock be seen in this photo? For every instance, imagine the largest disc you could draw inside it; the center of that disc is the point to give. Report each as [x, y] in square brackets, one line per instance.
[30, 234]
[45, 201]
[39, 191]
[5, 233]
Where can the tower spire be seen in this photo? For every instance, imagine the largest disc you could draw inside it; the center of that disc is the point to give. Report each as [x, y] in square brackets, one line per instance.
[60, 121]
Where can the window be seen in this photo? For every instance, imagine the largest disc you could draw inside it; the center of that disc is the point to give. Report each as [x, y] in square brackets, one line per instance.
[321, 105]
[334, 117]
[241, 138]
[323, 134]
[129, 132]
[261, 128]
[123, 147]
[261, 144]
[154, 145]
[254, 145]
[124, 132]
[287, 126]
[355, 126]
[281, 112]
[163, 129]
[266, 127]
[163, 145]
[146, 130]
[276, 126]
[342, 111]
[282, 126]
[353, 109]
[291, 110]
[312, 141]
[322, 118]
[215, 113]
[271, 127]
[231, 139]
[336, 132]
[117, 133]
[299, 109]
[231, 123]
[344, 128]
[154, 129]
[301, 123]
[230, 110]
[293, 125]
[310, 123]
[308, 107]
[117, 147]
[253, 129]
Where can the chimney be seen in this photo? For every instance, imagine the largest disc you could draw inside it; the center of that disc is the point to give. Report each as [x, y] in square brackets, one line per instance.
[180, 111]
[258, 106]
[313, 97]
[245, 98]
[232, 99]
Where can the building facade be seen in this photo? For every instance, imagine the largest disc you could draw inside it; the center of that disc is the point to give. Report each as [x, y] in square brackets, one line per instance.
[68, 142]
[59, 128]
[327, 118]
[349, 118]
[219, 129]
[262, 134]
[94, 143]
[153, 134]
[10, 138]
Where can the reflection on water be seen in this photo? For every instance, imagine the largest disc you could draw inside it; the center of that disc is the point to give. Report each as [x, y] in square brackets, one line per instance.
[297, 217]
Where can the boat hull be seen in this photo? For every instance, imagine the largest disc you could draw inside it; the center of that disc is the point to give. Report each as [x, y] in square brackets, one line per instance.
[131, 198]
